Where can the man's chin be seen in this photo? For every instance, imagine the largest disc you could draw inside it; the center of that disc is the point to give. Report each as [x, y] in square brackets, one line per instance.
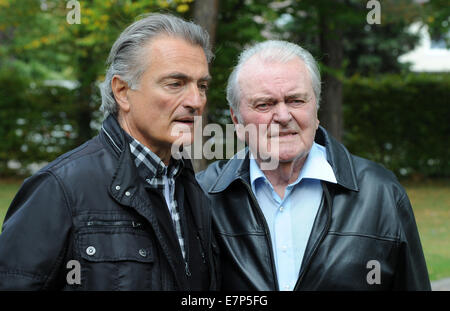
[287, 156]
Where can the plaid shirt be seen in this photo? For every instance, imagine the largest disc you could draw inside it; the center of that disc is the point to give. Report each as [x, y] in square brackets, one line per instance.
[155, 172]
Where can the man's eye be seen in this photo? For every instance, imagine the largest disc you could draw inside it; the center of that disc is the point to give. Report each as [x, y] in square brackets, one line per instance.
[263, 106]
[175, 84]
[203, 87]
[296, 102]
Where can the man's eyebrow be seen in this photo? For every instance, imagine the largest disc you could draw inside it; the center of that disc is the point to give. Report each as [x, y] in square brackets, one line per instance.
[269, 98]
[175, 75]
[182, 76]
[263, 99]
[206, 78]
[297, 95]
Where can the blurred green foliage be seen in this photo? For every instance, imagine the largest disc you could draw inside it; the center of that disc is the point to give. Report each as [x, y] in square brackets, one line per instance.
[37, 121]
[400, 121]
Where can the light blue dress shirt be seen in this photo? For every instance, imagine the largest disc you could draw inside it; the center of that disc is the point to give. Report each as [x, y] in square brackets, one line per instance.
[290, 219]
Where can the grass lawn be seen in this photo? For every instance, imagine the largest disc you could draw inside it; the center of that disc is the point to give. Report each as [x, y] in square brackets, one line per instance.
[8, 189]
[431, 204]
[430, 201]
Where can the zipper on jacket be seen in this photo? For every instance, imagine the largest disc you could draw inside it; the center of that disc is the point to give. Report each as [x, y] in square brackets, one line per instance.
[186, 269]
[186, 250]
[118, 223]
[201, 249]
[322, 236]
[268, 236]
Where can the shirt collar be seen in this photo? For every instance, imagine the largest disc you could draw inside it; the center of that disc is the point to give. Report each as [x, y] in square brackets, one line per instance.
[316, 167]
[149, 164]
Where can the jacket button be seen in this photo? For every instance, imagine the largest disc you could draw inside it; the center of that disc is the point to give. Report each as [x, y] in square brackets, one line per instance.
[127, 193]
[117, 187]
[143, 252]
[90, 250]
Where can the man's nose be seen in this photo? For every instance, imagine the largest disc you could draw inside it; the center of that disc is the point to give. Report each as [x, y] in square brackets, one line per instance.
[282, 114]
[194, 99]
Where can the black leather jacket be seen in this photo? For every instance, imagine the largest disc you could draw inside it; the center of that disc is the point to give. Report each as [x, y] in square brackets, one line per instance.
[91, 206]
[365, 216]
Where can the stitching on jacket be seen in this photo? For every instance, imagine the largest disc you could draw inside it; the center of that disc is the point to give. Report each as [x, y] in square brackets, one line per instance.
[403, 202]
[60, 257]
[58, 165]
[352, 168]
[110, 138]
[370, 236]
[241, 234]
[66, 197]
[57, 161]
[22, 274]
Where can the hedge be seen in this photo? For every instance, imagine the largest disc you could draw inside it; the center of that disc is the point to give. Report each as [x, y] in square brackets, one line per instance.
[402, 122]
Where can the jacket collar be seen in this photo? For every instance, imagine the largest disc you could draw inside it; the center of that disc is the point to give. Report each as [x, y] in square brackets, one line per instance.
[114, 135]
[337, 155]
[339, 158]
[238, 167]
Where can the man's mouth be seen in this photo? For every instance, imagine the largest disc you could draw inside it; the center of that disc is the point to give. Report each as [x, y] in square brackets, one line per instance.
[186, 120]
[285, 134]
[288, 133]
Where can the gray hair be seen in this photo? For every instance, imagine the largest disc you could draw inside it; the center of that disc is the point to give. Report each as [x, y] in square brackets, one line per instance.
[272, 51]
[127, 53]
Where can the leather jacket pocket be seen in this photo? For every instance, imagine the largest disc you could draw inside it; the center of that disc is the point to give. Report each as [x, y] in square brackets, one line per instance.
[115, 256]
[115, 246]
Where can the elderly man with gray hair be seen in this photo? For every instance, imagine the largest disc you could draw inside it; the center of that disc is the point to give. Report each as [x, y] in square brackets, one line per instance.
[322, 218]
[119, 212]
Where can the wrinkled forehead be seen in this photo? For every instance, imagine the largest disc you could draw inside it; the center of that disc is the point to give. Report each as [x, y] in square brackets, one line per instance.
[268, 76]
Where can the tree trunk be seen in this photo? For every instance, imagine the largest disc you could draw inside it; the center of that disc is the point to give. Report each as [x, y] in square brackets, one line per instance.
[84, 109]
[205, 15]
[83, 119]
[330, 113]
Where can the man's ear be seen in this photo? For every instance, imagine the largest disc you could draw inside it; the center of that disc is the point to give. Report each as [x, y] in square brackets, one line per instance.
[120, 89]
[317, 119]
[240, 133]
[233, 116]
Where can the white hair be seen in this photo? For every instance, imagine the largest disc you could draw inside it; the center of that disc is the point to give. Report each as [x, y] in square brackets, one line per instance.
[272, 51]
[126, 58]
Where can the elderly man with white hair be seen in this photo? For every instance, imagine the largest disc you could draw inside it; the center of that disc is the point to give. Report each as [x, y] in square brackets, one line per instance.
[322, 218]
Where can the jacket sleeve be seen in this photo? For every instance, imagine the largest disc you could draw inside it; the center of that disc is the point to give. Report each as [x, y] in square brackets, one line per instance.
[33, 235]
[412, 273]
